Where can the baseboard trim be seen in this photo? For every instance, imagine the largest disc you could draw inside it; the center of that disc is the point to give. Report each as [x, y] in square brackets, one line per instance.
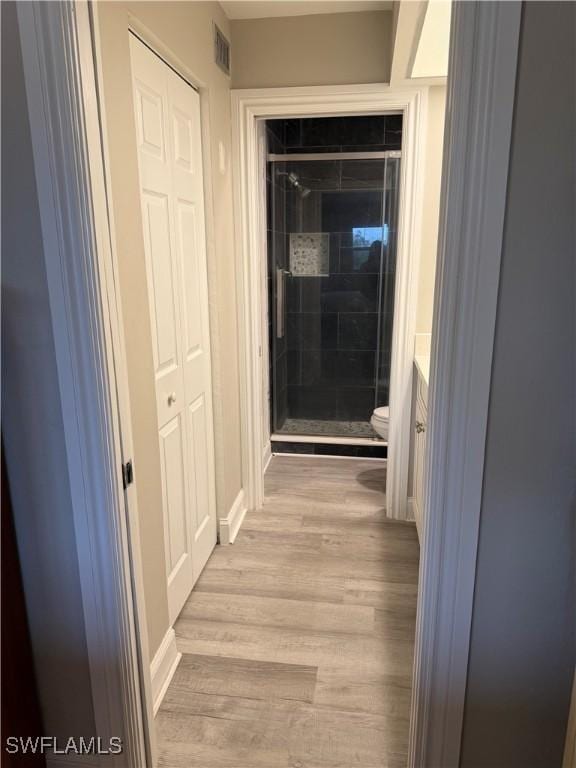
[267, 455]
[230, 525]
[163, 666]
[410, 509]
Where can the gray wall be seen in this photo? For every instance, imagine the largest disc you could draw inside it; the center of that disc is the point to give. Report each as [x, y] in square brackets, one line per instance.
[32, 429]
[522, 651]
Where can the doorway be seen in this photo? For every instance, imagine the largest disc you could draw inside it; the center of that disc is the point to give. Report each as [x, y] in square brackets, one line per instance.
[167, 113]
[332, 188]
[252, 110]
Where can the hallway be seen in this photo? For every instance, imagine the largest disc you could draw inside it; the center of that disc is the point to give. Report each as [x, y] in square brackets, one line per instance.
[297, 640]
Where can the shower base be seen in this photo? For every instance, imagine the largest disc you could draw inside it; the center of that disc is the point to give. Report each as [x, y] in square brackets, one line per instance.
[325, 428]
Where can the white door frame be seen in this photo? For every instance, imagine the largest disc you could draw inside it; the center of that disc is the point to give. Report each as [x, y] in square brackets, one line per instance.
[81, 272]
[86, 324]
[249, 108]
[480, 102]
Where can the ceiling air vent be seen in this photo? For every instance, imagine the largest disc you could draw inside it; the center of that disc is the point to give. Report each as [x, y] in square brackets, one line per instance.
[221, 50]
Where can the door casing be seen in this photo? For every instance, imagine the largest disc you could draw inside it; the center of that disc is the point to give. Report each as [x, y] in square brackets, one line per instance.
[172, 197]
[61, 90]
[249, 110]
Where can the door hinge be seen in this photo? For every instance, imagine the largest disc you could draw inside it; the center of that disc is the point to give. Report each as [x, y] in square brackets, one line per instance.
[127, 474]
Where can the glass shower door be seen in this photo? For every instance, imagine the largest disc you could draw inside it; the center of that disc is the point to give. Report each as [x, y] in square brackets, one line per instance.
[332, 271]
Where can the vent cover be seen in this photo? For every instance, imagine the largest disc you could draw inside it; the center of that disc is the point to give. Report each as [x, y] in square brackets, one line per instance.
[221, 50]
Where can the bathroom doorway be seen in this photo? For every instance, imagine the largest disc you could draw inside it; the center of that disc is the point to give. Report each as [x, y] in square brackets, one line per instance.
[332, 188]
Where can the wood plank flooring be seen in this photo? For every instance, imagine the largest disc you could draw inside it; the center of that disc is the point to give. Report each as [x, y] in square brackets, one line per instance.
[297, 640]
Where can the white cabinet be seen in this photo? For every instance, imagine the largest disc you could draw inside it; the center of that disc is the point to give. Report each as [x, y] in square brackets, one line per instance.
[419, 427]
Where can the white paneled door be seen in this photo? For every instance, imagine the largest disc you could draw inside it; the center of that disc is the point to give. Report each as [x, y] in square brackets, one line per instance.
[171, 188]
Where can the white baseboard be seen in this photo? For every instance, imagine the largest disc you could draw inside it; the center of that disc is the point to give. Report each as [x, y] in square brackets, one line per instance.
[230, 525]
[267, 455]
[163, 666]
[410, 509]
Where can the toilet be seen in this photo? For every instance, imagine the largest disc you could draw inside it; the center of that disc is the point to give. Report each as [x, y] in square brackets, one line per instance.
[379, 421]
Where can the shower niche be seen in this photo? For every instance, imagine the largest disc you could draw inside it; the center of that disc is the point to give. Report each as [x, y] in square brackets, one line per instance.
[332, 210]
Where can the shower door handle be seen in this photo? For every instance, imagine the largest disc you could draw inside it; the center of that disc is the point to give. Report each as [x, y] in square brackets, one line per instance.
[281, 275]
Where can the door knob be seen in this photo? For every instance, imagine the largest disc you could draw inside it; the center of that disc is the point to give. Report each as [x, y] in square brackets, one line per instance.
[171, 398]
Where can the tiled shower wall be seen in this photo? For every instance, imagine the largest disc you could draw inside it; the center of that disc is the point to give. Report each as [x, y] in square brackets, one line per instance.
[326, 365]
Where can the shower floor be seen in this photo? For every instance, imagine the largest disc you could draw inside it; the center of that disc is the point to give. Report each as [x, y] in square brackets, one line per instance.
[327, 428]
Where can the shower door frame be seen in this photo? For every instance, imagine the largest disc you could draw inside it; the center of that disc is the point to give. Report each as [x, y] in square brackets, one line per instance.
[333, 439]
[250, 109]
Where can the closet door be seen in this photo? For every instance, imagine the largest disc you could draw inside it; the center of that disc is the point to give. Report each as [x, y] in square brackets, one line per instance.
[171, 189]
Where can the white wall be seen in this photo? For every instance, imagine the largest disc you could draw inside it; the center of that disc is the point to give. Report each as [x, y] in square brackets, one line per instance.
[186, 28]
[431, 210]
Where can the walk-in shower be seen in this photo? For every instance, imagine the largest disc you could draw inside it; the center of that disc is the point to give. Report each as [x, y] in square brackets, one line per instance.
[332, 189]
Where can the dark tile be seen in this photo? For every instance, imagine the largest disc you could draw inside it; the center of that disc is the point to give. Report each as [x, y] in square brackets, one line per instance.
[353, 131]
[280, 346]
[269, 201]
[293, 301]
[393, 131]
[294, 367]
[276, 130]
[326, 449]
[349, 210]
[372, 452]
[321, 131]
[362, 174]
[280, 250]
[281, 372]
[363, 131]
[293, 132]
[314, 174]
[382, 394]
[271, 298]
[318, 368]
[310, 294]
[334, 252]
[280, 408]
[283, 447]
[357, 331]
[312, 402]
[312, 150]
[270, 250]
[312, 331]
[364, 148]
[278, 208]
[360, 259]
[350, 293]
[356, 368]
[355, 403]
[329, 449]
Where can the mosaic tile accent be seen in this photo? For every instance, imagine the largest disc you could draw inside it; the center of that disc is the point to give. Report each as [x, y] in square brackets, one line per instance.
[328, 427]
[309, 254]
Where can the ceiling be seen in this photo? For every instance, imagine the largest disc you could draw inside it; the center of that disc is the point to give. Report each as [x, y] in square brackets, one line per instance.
[261, 9]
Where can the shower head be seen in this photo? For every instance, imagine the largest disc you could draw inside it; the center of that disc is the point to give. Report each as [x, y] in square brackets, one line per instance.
[295, 182]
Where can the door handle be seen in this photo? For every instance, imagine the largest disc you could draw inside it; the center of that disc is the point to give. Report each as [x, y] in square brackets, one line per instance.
[171, 398]
[281, 275]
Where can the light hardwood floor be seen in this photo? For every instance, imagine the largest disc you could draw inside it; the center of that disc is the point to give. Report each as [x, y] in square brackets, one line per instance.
[297, 640]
